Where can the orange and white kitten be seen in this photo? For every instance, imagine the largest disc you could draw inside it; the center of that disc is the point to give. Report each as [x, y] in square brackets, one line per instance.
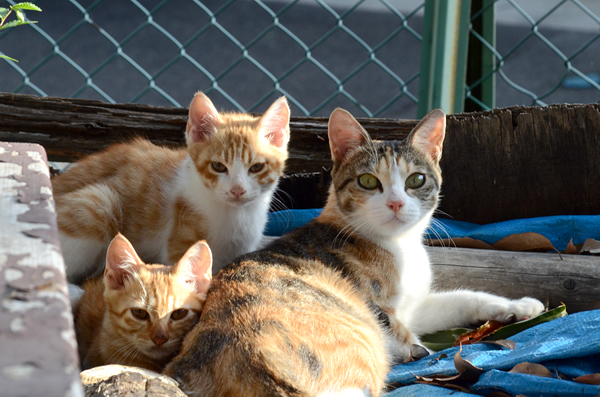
[164, 200]
[325, 309]
[138, 314]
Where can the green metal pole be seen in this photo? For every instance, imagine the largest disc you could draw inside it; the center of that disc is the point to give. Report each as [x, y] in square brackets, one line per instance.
[481, 78]
[444, 56]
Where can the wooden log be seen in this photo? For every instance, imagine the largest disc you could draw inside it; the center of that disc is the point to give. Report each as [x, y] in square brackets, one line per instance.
[72, 128]
[497, 165]
[573, 280]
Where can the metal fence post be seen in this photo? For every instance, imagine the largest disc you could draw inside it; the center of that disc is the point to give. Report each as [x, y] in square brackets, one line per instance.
[444, 55]
[481, 64]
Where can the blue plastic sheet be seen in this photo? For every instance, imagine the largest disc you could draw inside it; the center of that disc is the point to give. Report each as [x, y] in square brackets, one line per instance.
[558, 229]
[569, 346]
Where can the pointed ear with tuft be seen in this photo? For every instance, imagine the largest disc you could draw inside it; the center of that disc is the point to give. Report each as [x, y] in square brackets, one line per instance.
[203, 119]
[345, 133]
[428, 135]
[121, 262]
[196, 266]
[274, 125]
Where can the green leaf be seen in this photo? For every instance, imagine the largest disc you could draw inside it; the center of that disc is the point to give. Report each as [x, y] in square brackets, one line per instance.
[444, 339]
[3, 12]
[441, 340]
[20, 15]
[12, 24]
[26, 6]
[5, 57]
[514, 328]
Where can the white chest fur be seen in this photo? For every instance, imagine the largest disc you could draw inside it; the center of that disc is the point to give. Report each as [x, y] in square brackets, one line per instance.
[415, 277]
[232, 229]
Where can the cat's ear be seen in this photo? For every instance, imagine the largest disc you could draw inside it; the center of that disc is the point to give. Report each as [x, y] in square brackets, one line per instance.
[274, 125]
[203, 119]
[428, 135]
[196, 266]
[345, 133]
[122, 262]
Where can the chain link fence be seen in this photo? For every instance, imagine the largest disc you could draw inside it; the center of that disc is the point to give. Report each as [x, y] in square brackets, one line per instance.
[360, 55]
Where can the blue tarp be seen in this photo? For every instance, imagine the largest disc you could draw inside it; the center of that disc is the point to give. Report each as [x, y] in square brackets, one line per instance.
[569, 346]
[558, 229]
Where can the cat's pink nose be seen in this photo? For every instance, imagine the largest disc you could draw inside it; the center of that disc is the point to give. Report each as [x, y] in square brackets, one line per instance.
[395, 205]
[238, 191]
[159, 339]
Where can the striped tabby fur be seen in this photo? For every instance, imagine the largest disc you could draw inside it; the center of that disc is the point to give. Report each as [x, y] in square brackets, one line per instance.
[164, 200]
[138, 314]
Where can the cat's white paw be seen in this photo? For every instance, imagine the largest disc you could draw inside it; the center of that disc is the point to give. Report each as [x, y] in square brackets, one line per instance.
[517, 310]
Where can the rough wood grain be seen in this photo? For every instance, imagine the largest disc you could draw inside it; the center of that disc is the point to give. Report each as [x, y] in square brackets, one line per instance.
[72, 128]
[37, 340]
[121, 381]
[574, 279]
[522, 163]
[497, 165]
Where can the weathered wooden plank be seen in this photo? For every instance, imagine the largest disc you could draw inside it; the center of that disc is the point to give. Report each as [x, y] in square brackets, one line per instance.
[497, 165]
[72, 128]
[39, 356]
[574, 279]
[509, 164]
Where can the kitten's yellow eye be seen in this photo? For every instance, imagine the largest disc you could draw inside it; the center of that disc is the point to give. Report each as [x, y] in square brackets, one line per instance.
[257, 167]
[368, 181]
[179, 314]
[219, 167]
[140, 313]
[415, 181]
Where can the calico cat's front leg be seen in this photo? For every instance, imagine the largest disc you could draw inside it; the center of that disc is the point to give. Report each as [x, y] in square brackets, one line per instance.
[444, 310]
[400, 339]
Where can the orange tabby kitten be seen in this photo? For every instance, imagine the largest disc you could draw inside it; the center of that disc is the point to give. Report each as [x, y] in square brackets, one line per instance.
[325, 309]
[138, 314]
[164, 200]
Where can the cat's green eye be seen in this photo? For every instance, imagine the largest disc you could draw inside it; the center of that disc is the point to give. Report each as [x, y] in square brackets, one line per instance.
[415, 181]
[179, 314]
[218, 167]
[140, 313]
[368, 181]
[257, 167]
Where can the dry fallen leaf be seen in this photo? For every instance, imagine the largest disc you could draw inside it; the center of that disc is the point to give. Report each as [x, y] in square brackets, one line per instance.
[465, 368]
[571, 249]
[477, 334]
[531, 369]
[591, 379]
[507, 344]
[590, 247]
[529, 241]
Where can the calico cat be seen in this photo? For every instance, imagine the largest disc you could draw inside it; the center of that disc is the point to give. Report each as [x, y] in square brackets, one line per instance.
[164, 200]
[138, 314]
[330, 306]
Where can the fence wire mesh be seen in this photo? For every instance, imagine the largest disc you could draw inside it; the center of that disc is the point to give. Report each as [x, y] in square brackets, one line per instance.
[361, 55]
[546, 52]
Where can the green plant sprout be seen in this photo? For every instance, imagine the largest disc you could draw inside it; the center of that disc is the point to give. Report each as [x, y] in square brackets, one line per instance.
[18, 9]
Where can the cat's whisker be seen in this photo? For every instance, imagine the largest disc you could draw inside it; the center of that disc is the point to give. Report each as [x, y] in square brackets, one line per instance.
[440, 212]
[278, 199]
[437, 235]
